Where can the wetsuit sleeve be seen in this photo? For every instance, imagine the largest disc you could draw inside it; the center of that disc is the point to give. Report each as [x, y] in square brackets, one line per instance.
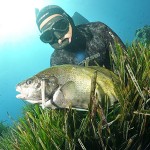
[60, 57]
[113, 38]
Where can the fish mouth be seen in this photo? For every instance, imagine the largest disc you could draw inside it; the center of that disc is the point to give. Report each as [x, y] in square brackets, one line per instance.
[34, 101]
[20, 95]
[24, 96]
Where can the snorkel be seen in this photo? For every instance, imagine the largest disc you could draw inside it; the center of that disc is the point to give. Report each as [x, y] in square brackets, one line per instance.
[55, 31]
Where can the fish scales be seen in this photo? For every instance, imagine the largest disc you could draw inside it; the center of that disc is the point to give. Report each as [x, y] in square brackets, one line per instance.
[72, 86]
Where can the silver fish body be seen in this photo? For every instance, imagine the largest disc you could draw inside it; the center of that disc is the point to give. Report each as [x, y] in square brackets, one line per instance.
[67, 86]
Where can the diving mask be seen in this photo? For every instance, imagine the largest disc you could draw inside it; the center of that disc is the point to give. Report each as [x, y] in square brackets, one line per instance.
[54, 29]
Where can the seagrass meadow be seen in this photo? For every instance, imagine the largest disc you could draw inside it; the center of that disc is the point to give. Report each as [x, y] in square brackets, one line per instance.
[124, 126]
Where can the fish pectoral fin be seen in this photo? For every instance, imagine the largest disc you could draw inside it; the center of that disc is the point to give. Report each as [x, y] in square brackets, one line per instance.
[59, 100]
[62, 96]
[69, 90]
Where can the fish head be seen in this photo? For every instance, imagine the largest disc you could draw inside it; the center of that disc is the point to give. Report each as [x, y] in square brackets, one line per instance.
[30, 89]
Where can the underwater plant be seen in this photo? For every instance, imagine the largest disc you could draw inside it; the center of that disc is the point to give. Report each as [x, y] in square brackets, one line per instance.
[124, 126]
[3, 128]
[143, 35]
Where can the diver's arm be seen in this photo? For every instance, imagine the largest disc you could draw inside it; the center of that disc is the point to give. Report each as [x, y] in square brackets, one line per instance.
[60, 57]
[113, 39]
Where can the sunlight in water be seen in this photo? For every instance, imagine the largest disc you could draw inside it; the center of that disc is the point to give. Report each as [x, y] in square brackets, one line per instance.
[17, 17]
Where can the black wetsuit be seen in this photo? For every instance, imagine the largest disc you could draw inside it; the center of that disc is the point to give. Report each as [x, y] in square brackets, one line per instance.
[90, 40]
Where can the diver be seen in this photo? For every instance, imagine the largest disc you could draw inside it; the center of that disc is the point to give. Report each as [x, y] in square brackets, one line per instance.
[75, 44]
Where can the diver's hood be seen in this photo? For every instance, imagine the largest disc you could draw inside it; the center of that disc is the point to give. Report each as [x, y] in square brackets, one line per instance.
[51, 10]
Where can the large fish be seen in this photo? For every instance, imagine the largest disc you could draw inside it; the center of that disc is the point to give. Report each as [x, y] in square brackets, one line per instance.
[67, 86]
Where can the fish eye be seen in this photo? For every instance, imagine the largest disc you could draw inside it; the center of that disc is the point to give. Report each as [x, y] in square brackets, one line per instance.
[28, 82]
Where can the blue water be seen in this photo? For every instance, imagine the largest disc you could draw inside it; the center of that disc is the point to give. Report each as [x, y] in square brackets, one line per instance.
[22, 54]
